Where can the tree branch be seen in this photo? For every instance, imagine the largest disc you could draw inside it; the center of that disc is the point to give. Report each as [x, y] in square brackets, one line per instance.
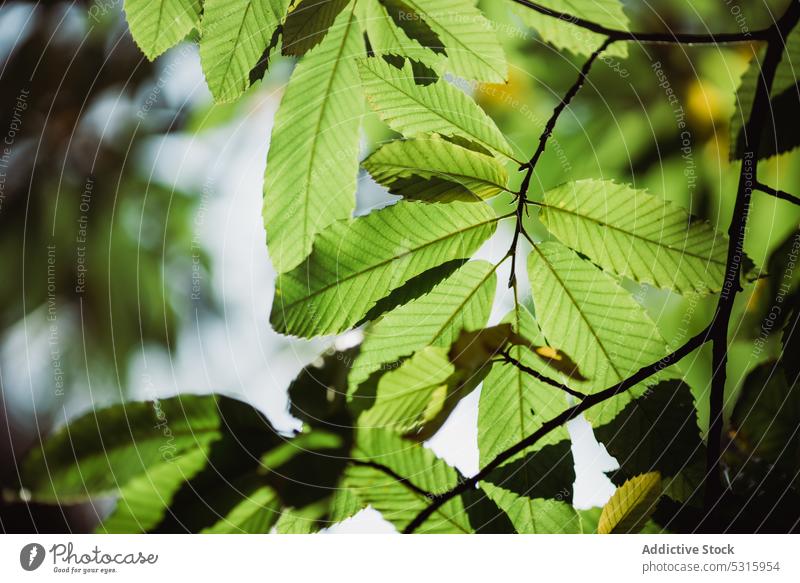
[736, 232]
[651, 37]
[777, 193]
[548, 426]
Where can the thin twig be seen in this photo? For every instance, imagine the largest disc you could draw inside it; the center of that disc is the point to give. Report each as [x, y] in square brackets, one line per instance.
[777, 193]
[651, 37]
[537, 375]
[565, 101]
[530, 165]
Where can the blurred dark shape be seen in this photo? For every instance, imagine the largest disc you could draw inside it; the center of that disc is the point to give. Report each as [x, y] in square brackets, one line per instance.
[97, 260]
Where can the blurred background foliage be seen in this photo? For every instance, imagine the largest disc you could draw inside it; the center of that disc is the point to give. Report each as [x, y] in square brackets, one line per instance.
[95, 128]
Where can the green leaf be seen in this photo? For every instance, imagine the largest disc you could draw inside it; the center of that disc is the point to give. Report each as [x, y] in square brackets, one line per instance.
[440, 107]
[143, 500]
[777, 137]
[631, 505]
[534, 491]
[294, 522]
[255, 514]
[473, 51]
[434, 169]
[157, 26]
[412, 23]
[308, 23]
[412, 395]
[106, 449]
[355, 264]
[585, 312]
[562, 34]
[764, 420]
[312, 166]
[462, 301]
[399, 502]
[387, 38]
[513, 404]
[634, 234]
[658, 432]
[234, 36]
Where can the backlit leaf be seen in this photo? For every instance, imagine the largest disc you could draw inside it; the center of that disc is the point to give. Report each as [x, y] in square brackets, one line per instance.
[431, 168]
[462, 301]
[585, 312]
[157, 26]
[354, 264]
[234, 36]
[310, 180]
[562, 34]
[631, 505]
[634, 234]
[440, 107]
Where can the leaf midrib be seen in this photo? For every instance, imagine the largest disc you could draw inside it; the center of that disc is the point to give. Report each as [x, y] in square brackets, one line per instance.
[228, 61]
[338, 282]
[326, 99]
[572, 299]
[600, 223]
[392, 83]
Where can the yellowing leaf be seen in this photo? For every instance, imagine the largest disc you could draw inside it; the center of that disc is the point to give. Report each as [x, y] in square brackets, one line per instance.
[631, 505]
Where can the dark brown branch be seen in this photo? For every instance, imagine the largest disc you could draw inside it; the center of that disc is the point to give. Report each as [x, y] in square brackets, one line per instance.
[651, 37]
[548, 426]
[736, 231]
[537, 375]
[776, 193]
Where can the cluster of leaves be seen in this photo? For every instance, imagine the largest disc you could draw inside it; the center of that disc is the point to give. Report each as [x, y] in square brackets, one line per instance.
[404, 274]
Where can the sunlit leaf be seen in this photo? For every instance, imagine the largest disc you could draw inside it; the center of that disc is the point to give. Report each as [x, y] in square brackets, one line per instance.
[157, 26]
[473, 51]
[310, 180]
[355, 264]
[308, 23]
[462, 301]
[387, 38]
[234, 35]
[562, 34]
[434, 169]
[440, 107]
[585, 312]
[637, 235]
[400, 501]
